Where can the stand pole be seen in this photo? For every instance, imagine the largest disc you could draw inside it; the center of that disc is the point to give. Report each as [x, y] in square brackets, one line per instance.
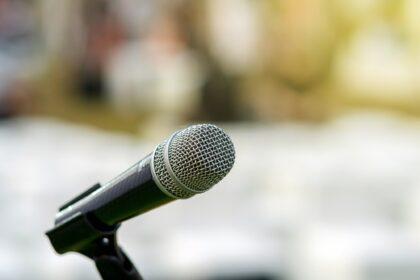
[110, 260]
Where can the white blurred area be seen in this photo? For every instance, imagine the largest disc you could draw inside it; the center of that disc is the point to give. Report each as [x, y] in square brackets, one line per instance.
[329, 201]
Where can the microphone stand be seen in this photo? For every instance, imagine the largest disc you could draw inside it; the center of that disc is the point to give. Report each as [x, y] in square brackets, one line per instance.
[85, 234]
[110, 260]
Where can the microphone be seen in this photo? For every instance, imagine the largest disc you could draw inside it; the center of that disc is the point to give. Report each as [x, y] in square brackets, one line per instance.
[190, 162]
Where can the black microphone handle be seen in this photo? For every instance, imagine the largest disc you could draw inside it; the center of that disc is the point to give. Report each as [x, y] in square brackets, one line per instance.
[131, 193]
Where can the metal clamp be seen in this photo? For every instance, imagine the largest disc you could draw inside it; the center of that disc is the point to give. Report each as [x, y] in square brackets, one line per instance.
[84, 234]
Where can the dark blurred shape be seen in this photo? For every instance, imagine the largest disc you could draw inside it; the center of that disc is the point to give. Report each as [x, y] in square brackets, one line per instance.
[17, 41]
[15, 100]
[104, 33]
[217, 97]
[250, 276]
[217, 100]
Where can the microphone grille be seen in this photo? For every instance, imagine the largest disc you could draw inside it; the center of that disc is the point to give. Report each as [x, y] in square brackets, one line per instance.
[193, 160]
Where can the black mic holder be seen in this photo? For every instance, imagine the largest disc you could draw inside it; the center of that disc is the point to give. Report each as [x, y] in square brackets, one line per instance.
[85, 234]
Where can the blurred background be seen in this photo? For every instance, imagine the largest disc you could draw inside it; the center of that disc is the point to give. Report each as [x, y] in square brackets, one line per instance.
[321, 98]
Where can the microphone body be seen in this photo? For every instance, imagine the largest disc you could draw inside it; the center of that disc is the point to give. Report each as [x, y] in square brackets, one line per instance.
[190, 162]
[130, 194]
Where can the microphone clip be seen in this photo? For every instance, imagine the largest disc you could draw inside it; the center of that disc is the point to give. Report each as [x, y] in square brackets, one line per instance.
[84, 234]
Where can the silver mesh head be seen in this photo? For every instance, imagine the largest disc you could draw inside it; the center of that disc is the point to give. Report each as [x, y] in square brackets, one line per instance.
[193, 160]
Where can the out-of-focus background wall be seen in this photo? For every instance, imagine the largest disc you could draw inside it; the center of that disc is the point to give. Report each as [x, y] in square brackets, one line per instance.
[321, 98]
